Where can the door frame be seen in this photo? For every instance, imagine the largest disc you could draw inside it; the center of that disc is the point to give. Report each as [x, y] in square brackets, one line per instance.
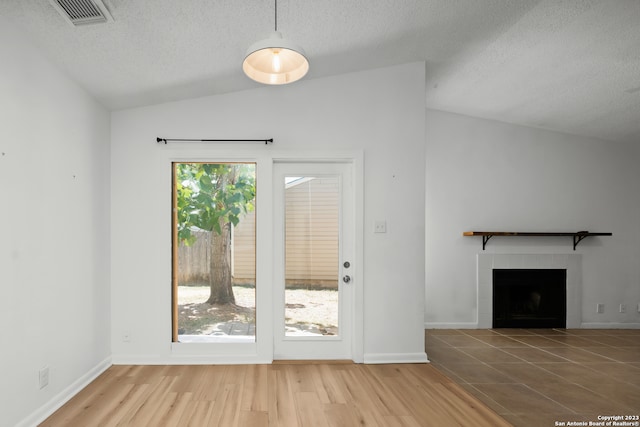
[356, 159]
[262, 350]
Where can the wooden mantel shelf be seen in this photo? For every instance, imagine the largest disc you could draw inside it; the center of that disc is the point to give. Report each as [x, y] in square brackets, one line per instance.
[577, 236]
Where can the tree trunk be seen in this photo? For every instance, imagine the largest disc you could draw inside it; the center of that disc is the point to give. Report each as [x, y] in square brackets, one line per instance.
[220, 267]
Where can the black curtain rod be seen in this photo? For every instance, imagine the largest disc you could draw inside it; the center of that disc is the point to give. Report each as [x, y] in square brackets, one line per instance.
[165, 140]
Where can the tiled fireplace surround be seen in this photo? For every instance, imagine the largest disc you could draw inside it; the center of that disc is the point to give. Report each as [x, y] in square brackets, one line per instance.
[487, 262]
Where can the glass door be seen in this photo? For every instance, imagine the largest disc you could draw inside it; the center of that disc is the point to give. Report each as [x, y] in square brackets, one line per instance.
[313, 231]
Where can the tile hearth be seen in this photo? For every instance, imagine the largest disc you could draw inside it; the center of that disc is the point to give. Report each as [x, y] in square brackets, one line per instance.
[534, 377]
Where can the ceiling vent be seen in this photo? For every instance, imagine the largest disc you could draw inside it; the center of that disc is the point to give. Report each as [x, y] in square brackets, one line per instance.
[82, 12]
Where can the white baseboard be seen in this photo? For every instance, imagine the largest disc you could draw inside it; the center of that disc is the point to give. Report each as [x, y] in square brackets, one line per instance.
[583, 325]
[461, 325]
[599, 325]
[379, 358]
[65, 395]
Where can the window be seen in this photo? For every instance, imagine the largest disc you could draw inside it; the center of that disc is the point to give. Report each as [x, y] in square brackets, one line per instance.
[214, 269]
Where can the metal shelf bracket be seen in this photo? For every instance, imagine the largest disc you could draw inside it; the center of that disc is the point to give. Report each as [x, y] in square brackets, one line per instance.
[486, 238]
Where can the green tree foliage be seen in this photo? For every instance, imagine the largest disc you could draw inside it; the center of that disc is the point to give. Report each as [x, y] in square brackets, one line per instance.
[213, 197]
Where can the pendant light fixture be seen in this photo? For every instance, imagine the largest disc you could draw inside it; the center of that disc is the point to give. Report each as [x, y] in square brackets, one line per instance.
[275, 60]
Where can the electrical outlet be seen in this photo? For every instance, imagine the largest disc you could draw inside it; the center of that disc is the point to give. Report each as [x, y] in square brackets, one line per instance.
[639, 307]
[623, 308]
[380, 226]
[43, 377]
[599, 308]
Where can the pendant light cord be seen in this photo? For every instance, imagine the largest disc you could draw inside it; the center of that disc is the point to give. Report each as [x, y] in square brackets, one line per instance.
[276, 14]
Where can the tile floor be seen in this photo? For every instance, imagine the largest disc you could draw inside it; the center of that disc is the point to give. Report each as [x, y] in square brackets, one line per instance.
[544, 377]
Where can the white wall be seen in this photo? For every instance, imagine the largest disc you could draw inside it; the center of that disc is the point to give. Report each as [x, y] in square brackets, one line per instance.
[487, 176]
[54, 239]
[380, 112]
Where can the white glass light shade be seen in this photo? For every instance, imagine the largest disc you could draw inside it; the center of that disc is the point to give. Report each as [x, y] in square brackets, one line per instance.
[275, 61]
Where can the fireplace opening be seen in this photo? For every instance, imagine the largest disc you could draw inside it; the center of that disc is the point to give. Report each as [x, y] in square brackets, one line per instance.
[529, 298]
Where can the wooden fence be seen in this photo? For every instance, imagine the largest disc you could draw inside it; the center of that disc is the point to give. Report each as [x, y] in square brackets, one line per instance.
[193, 261]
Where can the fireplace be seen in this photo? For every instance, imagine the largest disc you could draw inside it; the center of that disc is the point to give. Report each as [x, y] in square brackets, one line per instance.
[529, 298]
[571, 263]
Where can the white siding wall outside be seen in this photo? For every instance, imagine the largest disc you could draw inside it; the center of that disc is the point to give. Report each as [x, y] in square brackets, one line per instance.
[311, 227]
[244, 250]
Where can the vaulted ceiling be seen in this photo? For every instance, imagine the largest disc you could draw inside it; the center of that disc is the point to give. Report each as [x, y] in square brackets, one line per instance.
[571, 66]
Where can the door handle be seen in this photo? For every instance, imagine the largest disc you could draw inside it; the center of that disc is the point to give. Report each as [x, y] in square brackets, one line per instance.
[346, 279]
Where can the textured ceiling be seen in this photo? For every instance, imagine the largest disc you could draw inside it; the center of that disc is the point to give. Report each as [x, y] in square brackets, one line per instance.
[571, 66]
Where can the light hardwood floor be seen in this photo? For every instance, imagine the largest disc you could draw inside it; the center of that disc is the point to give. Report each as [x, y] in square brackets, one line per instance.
[314, 394]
